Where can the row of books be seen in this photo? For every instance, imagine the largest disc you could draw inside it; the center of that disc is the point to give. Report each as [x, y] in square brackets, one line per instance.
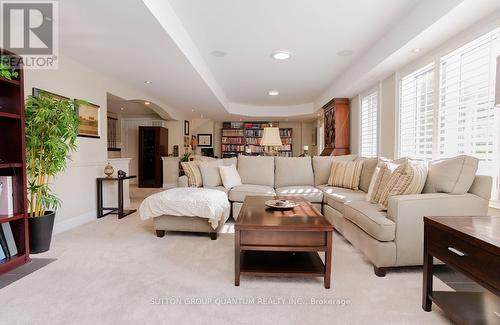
[7, 242]
[255, 149]
[258, 125]
[254, 133]
[285, 133]
[285, 147]
[254, 141]
[232, 133]
[285, 154]
[233, 147]
[233, 140]
[232, 125]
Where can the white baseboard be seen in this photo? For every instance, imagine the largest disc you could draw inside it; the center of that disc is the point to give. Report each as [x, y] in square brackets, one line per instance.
[71, 223]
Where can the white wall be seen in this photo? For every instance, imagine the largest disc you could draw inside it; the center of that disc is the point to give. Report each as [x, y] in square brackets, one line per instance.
[76, 186]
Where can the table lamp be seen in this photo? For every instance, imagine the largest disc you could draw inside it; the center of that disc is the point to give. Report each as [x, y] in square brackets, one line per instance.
[271, 140]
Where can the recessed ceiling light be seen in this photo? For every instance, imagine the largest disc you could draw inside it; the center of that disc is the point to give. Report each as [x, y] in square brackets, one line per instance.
[121, 108]
[192, 109]
[416, 50]
[345, 53]
[281, 55]
[147, 103]
[218, 54]
[148, 82]
[273, 93]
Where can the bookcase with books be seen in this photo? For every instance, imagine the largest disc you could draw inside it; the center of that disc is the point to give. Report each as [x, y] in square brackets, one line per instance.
[245, 138]
[14, 240]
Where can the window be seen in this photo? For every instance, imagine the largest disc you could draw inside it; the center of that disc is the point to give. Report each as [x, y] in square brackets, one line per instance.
[369, 129]
[416, 116]
[447, 107]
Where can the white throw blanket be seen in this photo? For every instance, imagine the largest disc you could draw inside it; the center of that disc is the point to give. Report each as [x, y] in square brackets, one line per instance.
[188, 202]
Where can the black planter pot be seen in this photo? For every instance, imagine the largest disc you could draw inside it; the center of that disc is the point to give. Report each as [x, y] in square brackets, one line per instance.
[40, 230]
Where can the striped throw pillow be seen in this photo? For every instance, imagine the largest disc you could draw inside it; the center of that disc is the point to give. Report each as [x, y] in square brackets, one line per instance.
[193, 173]
[397, 183]
[345, 174]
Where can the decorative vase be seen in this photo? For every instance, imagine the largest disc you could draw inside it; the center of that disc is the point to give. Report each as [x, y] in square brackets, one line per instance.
[108, 170]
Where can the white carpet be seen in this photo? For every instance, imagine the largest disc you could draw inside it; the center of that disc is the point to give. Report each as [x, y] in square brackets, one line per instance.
[109, 272]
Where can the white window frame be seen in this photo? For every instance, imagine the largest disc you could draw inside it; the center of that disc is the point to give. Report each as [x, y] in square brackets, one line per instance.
[436, 59]
[378, 90]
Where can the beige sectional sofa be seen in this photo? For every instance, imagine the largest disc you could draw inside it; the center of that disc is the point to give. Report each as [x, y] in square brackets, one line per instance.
[386, 238]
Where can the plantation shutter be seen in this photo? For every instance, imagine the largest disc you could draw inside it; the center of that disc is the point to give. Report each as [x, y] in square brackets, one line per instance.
[416, 115]
[369, 129]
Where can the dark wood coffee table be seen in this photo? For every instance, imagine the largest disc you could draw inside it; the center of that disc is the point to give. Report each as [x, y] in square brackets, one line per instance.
[272, 242]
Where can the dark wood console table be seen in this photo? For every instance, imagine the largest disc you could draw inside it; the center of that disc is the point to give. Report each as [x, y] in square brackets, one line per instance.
[470, 245]
[119, 211]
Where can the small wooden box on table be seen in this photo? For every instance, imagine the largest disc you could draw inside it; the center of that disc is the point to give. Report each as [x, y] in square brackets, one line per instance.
[119, 210]
[470, 245]
[282, 242]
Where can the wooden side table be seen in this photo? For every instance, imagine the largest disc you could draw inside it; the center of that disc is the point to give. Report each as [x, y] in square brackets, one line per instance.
[119, 211]
[471, 246]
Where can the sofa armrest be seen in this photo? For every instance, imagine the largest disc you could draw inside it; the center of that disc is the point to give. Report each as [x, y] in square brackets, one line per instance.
[408, 211]
[182, 181]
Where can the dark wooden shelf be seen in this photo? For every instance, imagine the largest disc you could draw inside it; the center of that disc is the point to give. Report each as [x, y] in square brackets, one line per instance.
[114, 149]
[468, 307]
[12, 262]
[13, 217]
[10, 165]
[13, 82]
[13, 155]
[266, 263]
[10, 115]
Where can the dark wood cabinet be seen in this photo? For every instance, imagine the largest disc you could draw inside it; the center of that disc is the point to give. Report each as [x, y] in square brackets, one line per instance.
[153, 144]
[336, 127]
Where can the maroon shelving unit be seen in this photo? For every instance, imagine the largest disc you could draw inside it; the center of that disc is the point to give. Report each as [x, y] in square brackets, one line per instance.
[13, 163]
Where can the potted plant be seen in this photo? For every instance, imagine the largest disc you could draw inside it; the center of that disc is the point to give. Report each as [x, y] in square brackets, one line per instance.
[51, 130]
[6, 71]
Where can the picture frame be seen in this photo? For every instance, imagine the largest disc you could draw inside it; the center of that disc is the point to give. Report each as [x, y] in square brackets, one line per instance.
[37, 91]
[204, 140]
[186, 127]
[88, 114]
[187, 141]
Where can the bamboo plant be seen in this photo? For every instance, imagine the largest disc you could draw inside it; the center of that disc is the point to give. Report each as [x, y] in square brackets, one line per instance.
[51, 130]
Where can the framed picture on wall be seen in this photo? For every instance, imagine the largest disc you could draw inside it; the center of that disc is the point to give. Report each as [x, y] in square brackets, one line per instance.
[36, 92]
[204, 140]
[89, 119]
[186, 127]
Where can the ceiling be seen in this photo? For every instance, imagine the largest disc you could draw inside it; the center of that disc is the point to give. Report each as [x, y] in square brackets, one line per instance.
[170, 43]
[313, 32]
[134, 108]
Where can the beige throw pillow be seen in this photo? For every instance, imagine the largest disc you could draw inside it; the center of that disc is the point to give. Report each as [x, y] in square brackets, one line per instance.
[193, 174]
[380, 177]
[345, 174]
[397, 184]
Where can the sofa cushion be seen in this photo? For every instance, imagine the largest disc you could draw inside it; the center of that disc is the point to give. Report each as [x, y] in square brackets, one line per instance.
[346, 174]
[322, 166]
[367, 216]
[220, 188]
[454, 175]
[229, 176]
[293, 171]
[369, 165]
[310, 193]
[209, 170]
[193, 173]
[337, 200]
[257, 170]
[238, 193]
